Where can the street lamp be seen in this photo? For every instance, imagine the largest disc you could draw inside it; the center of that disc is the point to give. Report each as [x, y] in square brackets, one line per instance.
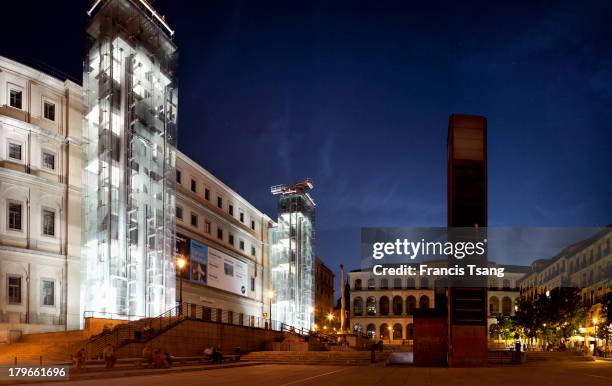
[181, 262]
[595, 335]
[270, 295]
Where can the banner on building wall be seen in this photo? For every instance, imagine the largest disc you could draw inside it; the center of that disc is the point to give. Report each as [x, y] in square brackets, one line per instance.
[227, 273]
[208, 266]
[199, 262]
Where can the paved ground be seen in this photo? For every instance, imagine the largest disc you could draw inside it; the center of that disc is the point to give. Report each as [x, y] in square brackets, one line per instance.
[548, 374]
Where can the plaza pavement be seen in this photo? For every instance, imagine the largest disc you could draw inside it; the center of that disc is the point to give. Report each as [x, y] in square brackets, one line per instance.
[542, 374]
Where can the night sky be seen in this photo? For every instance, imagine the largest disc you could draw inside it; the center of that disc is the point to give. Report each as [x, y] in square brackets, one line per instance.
[356, 95]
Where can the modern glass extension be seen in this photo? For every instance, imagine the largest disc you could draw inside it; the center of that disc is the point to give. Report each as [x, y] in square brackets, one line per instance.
[129, 177]
[292, 258]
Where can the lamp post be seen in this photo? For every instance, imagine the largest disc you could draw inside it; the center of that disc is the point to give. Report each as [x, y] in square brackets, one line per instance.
[270, 295]
[595, 335]
[181, 262]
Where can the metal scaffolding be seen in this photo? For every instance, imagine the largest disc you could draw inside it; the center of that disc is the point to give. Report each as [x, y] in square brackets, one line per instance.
[131, 100]
[292, 255]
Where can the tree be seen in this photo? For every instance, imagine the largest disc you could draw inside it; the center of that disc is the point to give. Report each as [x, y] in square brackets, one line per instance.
[552, 316]
[526, 318]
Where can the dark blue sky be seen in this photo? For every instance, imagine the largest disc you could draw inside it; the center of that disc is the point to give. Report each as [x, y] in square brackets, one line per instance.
[356, 95]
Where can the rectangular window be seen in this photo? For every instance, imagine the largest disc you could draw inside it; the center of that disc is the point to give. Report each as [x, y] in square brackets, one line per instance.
[241, 217]
[14, 215]
[207, 227]
[220, 202]
[253, 251]
[48, 222]
[48, 292]
[14, 289]
[194, 219]
[48, 160]
[178, 176]
[49, 110]
[252, 284]
[231, 239]
[14, 150]
[179, 212]
[220, 233]
[15, 99]
[241, 245]
[253, 224]
[193, 186]
[230, 209]
[207, 194]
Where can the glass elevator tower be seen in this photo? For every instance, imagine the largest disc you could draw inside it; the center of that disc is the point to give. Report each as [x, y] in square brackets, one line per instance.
[130, 131]
[292, 256]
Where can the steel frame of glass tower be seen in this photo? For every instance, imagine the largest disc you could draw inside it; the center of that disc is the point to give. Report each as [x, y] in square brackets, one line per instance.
[131, 100]
[292, 259]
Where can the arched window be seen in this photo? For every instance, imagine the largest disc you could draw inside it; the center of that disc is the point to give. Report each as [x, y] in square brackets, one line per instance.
[397, 283]
[358, 306]
[397, 305]
[384, 283]
[410, 304]
[424, 302]
[371, 306]
[371, 284]
[397, 331]
[506, 305]
[506, 284]
[384, 331]
[410, 331]
[410, 283]
[358, 284]
[384, 305]
[358, 328]
[424, 282]
[493, 305]
[371, 331]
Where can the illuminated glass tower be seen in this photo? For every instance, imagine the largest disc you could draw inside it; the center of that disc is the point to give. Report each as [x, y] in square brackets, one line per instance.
[292, 257]
[129, 159]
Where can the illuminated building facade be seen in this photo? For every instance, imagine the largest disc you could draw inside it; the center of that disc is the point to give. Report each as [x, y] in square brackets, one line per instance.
[129, 133]
[40, 201]
[292, 259]
[586, 265]
[215, 227]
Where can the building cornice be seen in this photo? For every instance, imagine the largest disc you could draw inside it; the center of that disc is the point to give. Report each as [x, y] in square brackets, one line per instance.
[221, 184]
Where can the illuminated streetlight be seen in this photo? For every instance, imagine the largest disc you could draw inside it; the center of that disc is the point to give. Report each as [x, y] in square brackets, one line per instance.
[311, 309]
[181, 262]
[330, 317]
[270, 295]
[547, 294]
[595, 334]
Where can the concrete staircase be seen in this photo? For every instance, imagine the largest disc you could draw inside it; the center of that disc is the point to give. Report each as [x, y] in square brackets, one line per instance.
[545, 356]
[52, 347]
[353, 358]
